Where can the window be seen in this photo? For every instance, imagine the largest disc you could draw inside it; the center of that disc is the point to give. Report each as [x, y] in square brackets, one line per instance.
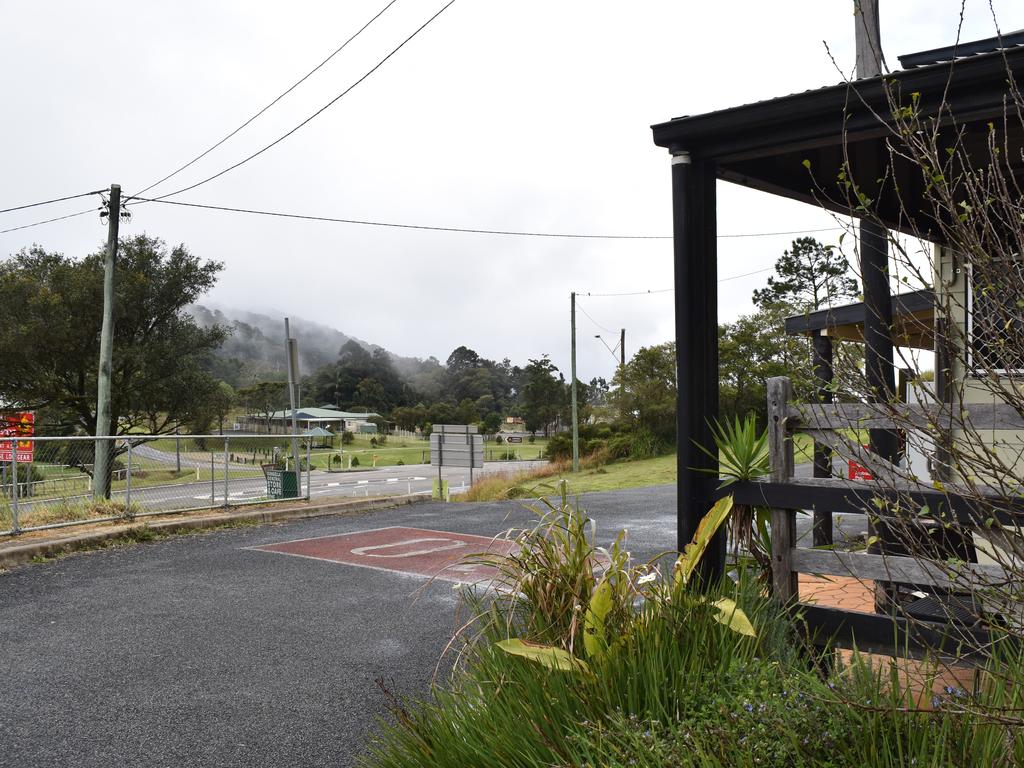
[996, 316]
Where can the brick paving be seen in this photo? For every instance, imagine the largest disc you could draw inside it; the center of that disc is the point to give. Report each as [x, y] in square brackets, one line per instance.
[838, 592]
[923, 679]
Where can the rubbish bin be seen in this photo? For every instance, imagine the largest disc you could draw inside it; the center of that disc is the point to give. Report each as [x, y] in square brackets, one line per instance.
[282, 484]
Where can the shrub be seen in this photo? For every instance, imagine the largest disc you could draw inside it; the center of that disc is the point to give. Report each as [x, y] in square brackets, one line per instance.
[347, 438]
[499, 440]
[354, 462]
[531, 439]
[399, 463]
[373, 442]
[560, 446]
[620, 447]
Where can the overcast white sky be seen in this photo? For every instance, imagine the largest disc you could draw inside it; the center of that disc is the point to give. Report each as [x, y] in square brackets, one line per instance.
[528, 116]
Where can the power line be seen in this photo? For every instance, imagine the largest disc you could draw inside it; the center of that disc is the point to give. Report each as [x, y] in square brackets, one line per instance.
[47, 202]
[397, 225]
[299, 82]
[316, 114]
[791, 232]
[581, 309]
[628, 293]
[48, 221]
[670, 290]
[745, 274]
[435, 228]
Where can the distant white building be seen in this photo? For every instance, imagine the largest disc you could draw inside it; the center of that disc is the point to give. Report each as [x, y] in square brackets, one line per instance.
[336, 421]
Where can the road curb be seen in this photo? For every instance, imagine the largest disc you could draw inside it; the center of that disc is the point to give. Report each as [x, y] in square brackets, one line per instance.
[23, 553]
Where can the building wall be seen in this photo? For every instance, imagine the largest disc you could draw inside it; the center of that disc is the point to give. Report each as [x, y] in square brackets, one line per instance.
[952, 285]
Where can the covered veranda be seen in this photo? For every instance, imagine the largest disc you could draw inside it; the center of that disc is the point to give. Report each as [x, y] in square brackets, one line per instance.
[796, 147]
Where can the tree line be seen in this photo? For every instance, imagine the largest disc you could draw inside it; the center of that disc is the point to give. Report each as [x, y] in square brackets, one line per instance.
[168, 368]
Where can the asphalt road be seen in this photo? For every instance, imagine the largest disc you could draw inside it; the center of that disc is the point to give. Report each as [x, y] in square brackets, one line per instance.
[383, 481]
[199, 651]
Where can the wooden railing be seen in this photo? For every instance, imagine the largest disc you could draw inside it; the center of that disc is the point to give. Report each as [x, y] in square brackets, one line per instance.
[785, 495]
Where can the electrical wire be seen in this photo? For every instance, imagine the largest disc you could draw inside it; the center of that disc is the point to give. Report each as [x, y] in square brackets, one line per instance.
[670, 290]
[792, 232]
[309, 119]
[581, 309]
[47, 202]
[435, 228]
[397, 225]
[627, 293]
[48, 221]
[299, 82]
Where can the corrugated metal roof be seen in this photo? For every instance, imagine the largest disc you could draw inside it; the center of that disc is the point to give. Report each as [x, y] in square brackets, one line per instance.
[321, 413]
[959, 51]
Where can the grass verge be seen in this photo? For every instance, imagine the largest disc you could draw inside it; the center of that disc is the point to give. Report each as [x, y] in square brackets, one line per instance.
[594, 475]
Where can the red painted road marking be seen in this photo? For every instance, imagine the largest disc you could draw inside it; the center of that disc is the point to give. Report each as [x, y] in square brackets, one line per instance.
[402, 550]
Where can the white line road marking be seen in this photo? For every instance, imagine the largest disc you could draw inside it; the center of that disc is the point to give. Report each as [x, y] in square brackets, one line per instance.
[363, 482]
[392, 480]
[365, 551]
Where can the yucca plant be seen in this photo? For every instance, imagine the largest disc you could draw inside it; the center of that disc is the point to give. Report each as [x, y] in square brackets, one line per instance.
[742, 454]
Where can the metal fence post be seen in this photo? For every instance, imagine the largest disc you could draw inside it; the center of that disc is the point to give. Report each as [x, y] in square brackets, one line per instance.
[226, 470]
[309, 469]
[128, 480]
[14, 487]
[213, 482]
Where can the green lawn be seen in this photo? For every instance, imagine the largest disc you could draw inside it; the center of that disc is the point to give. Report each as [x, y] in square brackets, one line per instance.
[623, 474]
[410, 451]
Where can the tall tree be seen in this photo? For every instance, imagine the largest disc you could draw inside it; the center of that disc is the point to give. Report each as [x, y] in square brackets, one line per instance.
[808, 277]
[264, 399]
[543, 395]
[645, 391]
[751, 350]
[49, 337]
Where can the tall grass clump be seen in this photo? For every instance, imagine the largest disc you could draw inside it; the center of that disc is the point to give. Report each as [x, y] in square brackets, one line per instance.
[574, 655]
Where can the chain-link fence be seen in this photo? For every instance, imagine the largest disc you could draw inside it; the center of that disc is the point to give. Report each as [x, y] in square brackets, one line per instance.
[49, 482]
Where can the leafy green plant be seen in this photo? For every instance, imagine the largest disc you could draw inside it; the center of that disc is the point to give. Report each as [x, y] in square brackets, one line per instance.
[560, 591]
[741, 451]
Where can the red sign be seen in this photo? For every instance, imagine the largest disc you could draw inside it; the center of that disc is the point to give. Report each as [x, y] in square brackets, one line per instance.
[857, 471]
[17, 425]
[414, 551]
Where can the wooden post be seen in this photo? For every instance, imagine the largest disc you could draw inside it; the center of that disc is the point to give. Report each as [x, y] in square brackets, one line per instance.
[780, 451]
[575, 412]
[824, 373]
[696, 311]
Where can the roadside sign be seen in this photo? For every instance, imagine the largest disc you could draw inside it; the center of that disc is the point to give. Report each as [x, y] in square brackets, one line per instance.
[457, 445]
[513, 439]
[17, 425]
[857, 471]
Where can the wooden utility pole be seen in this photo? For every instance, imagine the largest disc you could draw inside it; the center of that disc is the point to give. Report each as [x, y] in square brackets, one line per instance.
[874, 270]
[575, 416]
[104, 427]
[868, 35]
[622, 350]
[874, 254]
[292, 348]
